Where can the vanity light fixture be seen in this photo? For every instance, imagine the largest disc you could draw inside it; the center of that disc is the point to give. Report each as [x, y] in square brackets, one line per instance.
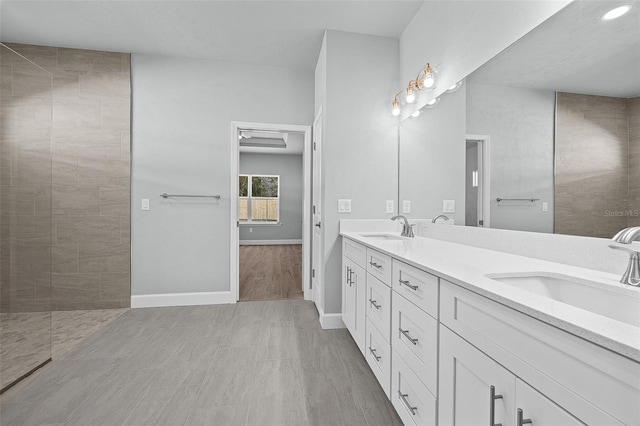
[616, 12]
[416, 113]
[454, 87]
[395, 106]
[432, 103]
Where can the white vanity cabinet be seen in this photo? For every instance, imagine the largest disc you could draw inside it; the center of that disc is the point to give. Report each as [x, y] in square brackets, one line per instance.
[554, 377]
[476, 390]
[354, 291]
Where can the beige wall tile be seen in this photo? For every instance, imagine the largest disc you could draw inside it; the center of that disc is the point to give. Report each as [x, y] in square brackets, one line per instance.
[66, 84]
[115, 286]
[64, 259]
[30, 230]
[76, 112]
[125, 145]
[88, 143]
[43, 200]
[30, 81]
[115, 115]
[44, 56]
[17, 200]
[6, 80]
[75, 229]
[90, 60]
[91, 169]
[70, 200]
[75, 287]
[103, 257]
[105, 85]
[114, 201]
[64, 170]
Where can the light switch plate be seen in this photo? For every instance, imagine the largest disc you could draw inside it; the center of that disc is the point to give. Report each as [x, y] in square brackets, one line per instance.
[406, 206]
[545, 207]
[448, 206]
[390, 206]
[145, 204]
[344, 206]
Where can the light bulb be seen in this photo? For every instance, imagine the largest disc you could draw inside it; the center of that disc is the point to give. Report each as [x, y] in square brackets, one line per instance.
[432, 103]
[416, 113]
[428, 82]
[410, 98]
[616, 13]
[454, 87]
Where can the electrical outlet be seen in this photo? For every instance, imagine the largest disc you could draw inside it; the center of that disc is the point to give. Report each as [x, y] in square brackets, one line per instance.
[390, 206]
[448, 206]
[344, 206]
[250, 229]
[545, 207]
[406, 206]
[145, 204]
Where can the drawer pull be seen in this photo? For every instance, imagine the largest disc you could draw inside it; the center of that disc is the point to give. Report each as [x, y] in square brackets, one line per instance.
[373, 352]
[412, 287]
[492, 406]
[403, 397]
[349, 276]
[406, 334]
[521, 420]
[374, 304]
[375, 265]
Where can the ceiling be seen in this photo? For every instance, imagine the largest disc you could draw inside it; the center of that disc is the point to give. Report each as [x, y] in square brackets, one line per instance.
[284, 34]
[263, 142]
[574, 51]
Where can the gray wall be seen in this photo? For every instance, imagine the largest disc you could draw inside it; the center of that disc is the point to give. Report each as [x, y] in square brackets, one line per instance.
[182, 110]
[360, 154]
[520, 123]
[432, 158]
[289, 168]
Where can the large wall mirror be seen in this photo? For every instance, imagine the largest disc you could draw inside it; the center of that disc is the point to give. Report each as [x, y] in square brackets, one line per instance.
[544, 137]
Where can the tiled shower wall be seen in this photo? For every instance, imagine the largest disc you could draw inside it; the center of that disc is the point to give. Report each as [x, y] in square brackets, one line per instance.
[634, 162]
[90, 195]
[596, 179]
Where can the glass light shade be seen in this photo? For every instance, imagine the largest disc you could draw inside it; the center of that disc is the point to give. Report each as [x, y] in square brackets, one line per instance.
[454, 87]
[429, 82]
[410, 98]
[616, 13]
[432, 103]
[395, 108]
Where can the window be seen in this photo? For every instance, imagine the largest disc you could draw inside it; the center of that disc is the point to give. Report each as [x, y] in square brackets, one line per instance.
[259, 199]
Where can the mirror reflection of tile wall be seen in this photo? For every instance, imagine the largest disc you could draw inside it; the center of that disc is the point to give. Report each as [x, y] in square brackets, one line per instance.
[90, 193]
[597, 176]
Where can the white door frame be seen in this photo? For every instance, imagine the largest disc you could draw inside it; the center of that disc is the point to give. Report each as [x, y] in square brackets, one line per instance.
[317, 246]
[484, 142]
[234, 250]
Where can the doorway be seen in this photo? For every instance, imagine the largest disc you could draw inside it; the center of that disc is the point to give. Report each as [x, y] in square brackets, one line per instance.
[477, 169]
[270, 211]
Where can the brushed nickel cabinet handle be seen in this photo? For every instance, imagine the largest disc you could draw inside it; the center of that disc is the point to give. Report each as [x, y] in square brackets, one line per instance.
[406, 334]
[412, 287]
[373, 352]
[521, 420]
[403, 397]
[374, 304]
[375, 265]
[492, 406]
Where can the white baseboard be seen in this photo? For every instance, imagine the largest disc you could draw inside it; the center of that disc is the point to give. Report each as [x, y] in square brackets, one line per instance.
[268, 242]
[330, 321]
[181, 299]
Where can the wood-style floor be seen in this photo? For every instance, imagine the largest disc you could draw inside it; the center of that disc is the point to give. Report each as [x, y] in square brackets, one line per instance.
[252, 363]
[271, 272]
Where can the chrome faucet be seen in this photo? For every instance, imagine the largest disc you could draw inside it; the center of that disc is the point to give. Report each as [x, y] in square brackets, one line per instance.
[439, 216]
[627, 236]
[407, 229]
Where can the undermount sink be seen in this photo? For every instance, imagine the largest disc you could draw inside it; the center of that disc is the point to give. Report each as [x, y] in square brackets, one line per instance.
[381, 236]
[590, 296]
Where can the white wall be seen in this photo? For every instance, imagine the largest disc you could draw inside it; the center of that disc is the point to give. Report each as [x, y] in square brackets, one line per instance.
[520, 123]
[181, 115]
[360, 156]
[459, 36]
[289, 168]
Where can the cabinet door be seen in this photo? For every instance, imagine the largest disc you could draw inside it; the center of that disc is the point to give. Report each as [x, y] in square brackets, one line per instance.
[540, 410]
[466, 380]
[353, 300]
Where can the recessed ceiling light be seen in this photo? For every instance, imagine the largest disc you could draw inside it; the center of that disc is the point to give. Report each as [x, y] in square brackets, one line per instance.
[616, 13]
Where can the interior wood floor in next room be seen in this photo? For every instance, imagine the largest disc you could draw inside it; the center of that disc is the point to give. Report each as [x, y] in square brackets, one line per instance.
[271, 272]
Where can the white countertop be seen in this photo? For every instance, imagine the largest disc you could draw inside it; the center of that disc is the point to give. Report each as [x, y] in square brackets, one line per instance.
[467, 266]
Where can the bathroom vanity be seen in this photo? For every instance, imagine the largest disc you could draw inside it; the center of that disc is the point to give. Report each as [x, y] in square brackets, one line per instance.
[459, 335]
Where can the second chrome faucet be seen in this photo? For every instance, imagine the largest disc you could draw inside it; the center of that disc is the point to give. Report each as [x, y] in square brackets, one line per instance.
[407, 228]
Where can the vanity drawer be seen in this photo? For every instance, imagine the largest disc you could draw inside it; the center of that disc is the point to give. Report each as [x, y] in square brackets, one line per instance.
[414, 336]
[378, 302]
[378, 355]
[419, 287]
[354, 251]
[379, 265]
[412, 400]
